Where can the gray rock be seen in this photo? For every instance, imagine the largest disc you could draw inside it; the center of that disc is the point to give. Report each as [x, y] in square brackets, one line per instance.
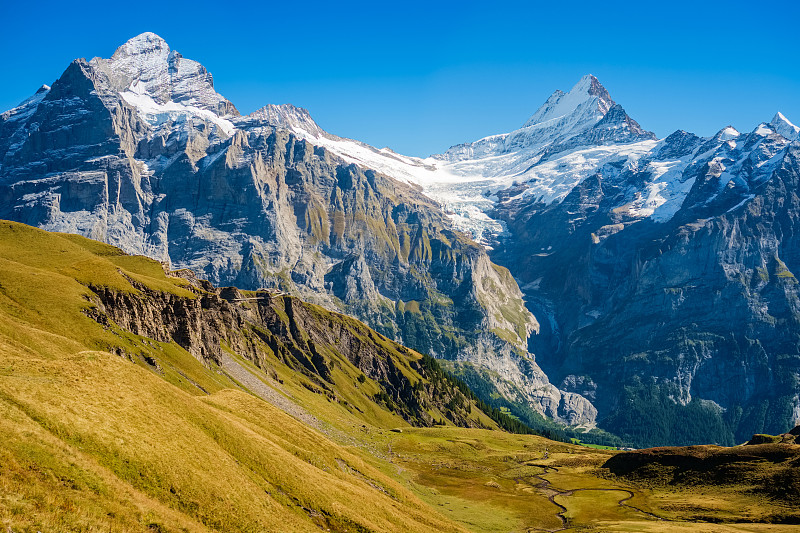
[699, 310]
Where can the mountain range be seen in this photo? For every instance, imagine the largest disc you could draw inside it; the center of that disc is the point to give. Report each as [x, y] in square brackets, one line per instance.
[657, 287]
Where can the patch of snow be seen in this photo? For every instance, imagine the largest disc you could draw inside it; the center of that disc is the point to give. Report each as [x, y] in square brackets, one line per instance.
[727, 134]
[746, 199]
[785, 128]
[553, 180]
[763, 130]
[157, 114]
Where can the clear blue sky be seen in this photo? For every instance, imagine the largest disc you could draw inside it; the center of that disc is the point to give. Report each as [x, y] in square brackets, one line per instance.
[421, 76]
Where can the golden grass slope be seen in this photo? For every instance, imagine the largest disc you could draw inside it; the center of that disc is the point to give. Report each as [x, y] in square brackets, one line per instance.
[93, 442]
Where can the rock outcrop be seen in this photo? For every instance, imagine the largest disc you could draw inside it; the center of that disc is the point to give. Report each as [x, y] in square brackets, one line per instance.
[267, 328]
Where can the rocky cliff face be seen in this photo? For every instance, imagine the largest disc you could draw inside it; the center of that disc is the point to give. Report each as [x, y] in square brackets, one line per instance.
[268, 329]
[669, 285]
[139, 151]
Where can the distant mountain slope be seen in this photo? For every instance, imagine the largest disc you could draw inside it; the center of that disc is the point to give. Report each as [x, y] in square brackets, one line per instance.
[669, 283]
[140, 151]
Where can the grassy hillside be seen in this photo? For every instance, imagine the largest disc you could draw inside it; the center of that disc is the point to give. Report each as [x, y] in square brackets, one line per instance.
[95, 441]
[135, 401]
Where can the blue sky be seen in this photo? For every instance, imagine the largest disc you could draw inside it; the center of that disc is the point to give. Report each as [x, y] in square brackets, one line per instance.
[421, 76]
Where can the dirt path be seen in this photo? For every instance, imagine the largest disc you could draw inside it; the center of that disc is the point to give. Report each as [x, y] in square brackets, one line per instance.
[270, 394]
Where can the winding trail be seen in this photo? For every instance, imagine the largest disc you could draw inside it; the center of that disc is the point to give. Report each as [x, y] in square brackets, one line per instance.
[551, 492]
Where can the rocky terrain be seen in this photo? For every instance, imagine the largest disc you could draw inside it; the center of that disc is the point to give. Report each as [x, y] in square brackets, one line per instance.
[661, 272]
[669, 285]
[264, 329]
[140, 151]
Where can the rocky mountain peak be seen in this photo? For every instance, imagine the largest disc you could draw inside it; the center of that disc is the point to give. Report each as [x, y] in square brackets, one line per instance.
[595, 88]
[148, 74]
[588, 101]
[727, 133]
[145, 44]
[784, 127]
[289, 117]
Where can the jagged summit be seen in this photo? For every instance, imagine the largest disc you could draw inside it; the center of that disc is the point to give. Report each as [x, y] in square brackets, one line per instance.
[147, 43]
[784, 127]
[727, 133]
[588, 97]
[149, 74]
[288, 116]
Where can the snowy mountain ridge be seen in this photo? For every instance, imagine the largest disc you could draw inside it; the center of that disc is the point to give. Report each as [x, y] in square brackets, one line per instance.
[569, 138]
[461, 178]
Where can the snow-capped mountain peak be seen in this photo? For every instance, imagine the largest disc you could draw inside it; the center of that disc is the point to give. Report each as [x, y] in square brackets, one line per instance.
[290, 117]
[784, 127]
[145, 44]
[585, 116]
[588, 97]
[148, 73]
[727, 133]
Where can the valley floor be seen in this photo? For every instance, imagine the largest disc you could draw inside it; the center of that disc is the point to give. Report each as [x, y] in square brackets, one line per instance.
[491, 481]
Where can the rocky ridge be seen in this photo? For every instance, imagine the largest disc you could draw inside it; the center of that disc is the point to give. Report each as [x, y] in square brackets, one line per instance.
[266, 329]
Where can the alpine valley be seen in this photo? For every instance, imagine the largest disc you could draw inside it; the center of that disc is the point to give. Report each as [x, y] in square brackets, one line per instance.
[577, 272]
[217, 322]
